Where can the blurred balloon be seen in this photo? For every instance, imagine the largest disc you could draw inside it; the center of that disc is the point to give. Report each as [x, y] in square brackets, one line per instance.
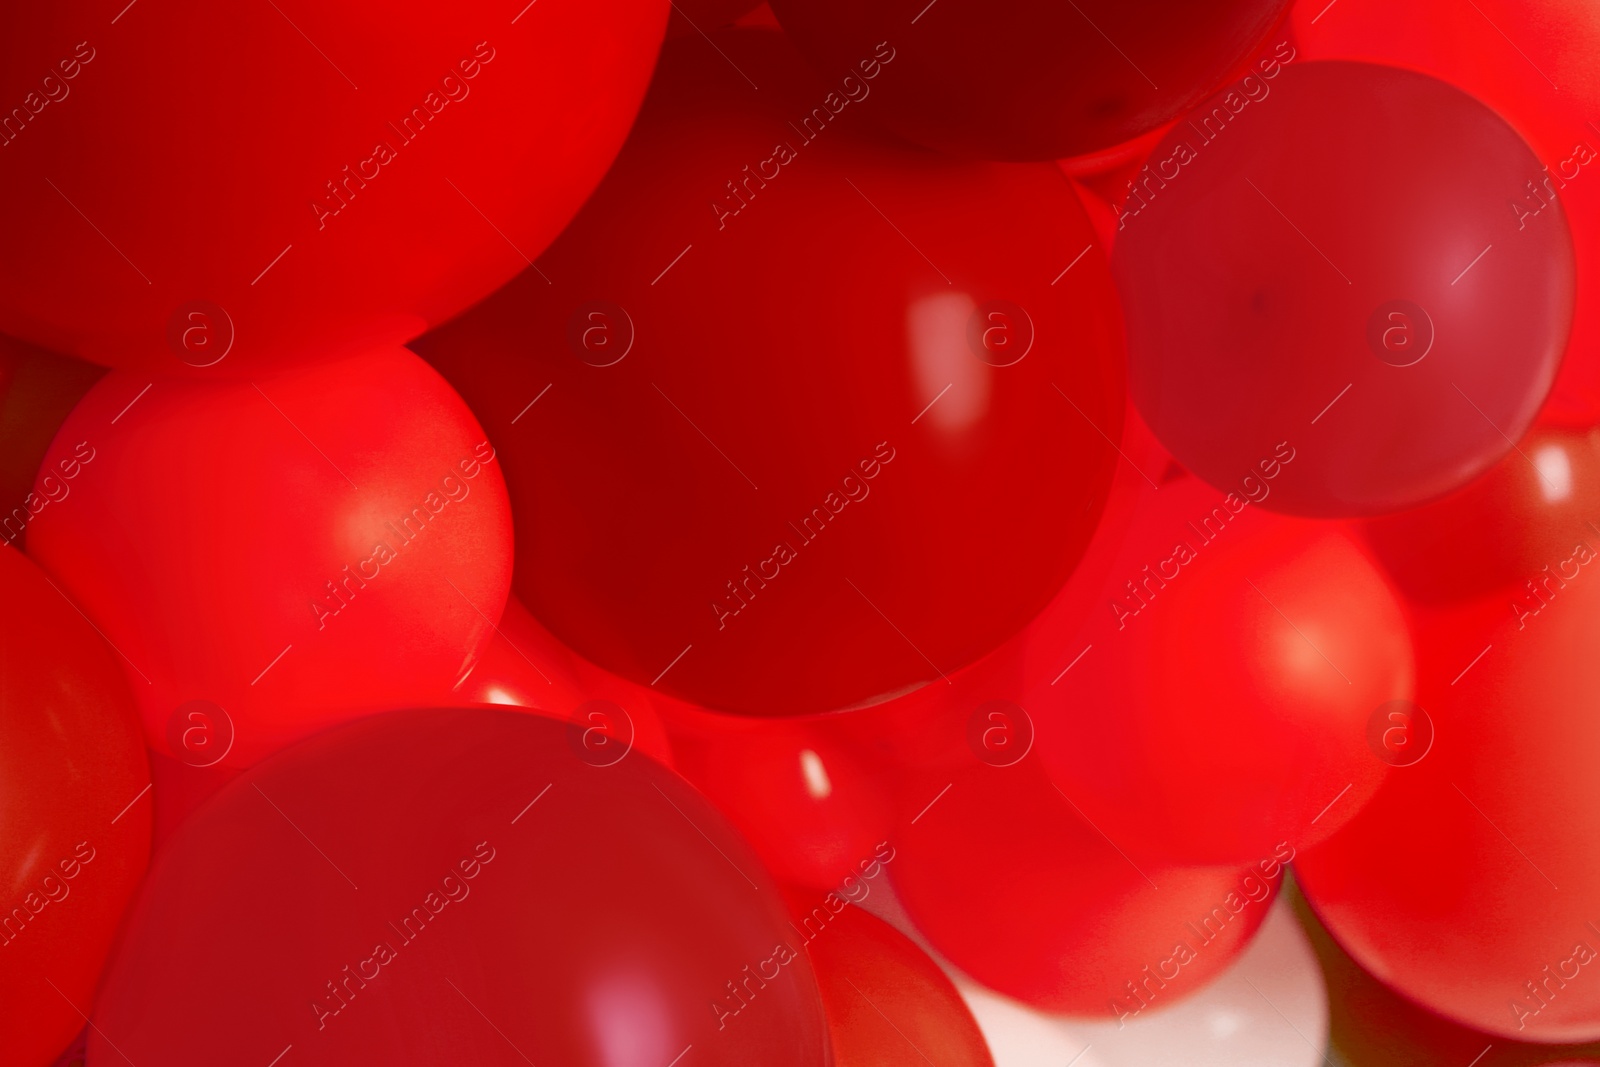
[1501, 530]
[486, 830]
[1010, 883]
[1030, 79]
[275, 557]
[1277, 641]
[74, 818]
[523, 665]
[1339, 275]
[802, 467]
[323, 222]
[811, 806]
[888, 1004]
[700, 16]
[1467, 882]
[1533, 62]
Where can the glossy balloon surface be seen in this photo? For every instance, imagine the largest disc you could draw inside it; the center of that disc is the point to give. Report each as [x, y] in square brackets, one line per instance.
[458, 887]
[277, 556]
[797, 421]
[240, 187]
[1325, 258]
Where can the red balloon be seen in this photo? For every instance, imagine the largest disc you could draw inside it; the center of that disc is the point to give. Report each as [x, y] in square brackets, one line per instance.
[1031, 79]
[702, 16]
[74, 817]
[1533, 62]
[803, 435]
[458, 887]
[1011, 884]
[888, 1004]
[1468, 882]
[810, 805]
[1503, 530]
[271, 558]
[240, 187]
[1339, 274]
[524, 666]
[1229, 669]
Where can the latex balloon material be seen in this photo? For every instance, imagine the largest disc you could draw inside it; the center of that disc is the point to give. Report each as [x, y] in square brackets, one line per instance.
[1373, 1026]
[1269, 1009]
[1532, 62]
[37, 391]
[1477, 835]
[359, 179]
[430, 857]
[699, 16]
[1278, 641]
[522, 665]
[814, 360]
[1340, 272]
[887, 1002]
[1030, 79]
[1018, 890]
[74, 814]
[809, 804]
[274, 557]
[1502, 531]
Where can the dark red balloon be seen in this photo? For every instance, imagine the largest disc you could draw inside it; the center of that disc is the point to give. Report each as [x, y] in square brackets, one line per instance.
[458, 887]
[1031, 79]
[799, 421]
[810, 803]
[1533, 62]
[1468, 882]
[1503, 531]
[1224, 678]
[274, 557]
[74, 812]
[239, 187]
[888, 1004]
[37, 391]
[1012, 885]
[1324, 257]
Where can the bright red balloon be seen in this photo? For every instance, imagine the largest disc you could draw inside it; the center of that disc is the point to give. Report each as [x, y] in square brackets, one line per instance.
[238, 187]
[888, 1004]
[524, 666]
[798, 421]
[1468, 882]
[1533, 62]
[1229, 669]
[1008, 881]
[808, 802]
[1031, 79]
[1324, 257]
[74, 817]
[1502, 531]
[274, 557]
[458, 887]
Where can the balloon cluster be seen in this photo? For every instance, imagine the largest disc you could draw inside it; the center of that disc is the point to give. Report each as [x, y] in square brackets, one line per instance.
[615, 532]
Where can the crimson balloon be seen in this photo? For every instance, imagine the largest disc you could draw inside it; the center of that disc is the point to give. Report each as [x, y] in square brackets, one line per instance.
[798, 422]
[458, 886]
[1533, 62]
[238, 187]
[37, 391]
[1030, 79]
[1225, 677]
[1323, 257]
[1491, 831]
[273, 557]
[74, 815]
